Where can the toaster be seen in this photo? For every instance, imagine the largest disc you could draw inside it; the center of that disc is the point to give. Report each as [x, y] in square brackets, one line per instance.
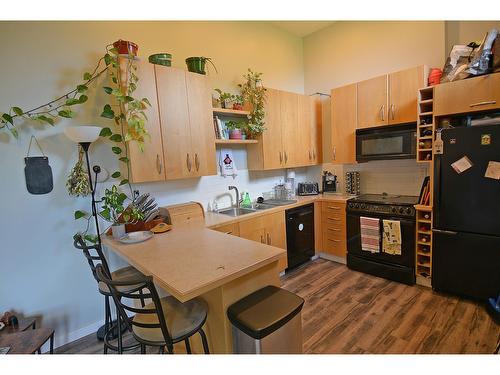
[307, 188]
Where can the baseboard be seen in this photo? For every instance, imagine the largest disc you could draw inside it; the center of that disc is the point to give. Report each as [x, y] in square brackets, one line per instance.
[59, 340]
[333, 258]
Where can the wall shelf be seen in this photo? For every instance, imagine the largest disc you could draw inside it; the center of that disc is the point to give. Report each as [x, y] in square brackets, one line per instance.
[230, 112]
[235, 141]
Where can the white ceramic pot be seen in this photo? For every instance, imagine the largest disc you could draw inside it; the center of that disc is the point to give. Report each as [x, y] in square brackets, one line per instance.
[118, 231]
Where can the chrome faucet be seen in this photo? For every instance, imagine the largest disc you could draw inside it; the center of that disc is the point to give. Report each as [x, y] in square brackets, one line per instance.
[238, 200]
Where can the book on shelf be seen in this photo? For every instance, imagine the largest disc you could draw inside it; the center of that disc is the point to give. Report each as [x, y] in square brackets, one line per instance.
[425, 192]
[221, 131]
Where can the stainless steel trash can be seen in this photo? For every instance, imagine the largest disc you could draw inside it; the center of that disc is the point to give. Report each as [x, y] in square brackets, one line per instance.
[268, 321]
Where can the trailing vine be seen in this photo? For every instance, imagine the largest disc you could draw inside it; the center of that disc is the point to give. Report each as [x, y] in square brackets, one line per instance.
[254, 93]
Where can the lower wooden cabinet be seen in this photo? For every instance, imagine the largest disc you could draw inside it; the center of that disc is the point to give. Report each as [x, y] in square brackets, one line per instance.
[333, 227]
[232, 228]
[268, 229]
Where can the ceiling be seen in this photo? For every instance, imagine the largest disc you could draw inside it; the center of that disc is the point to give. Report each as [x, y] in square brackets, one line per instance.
[302, 28]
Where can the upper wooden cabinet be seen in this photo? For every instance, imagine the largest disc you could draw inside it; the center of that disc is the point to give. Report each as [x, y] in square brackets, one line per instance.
[391, 98]
[147, 165]
[372, 102]
[343, 120]
[293, 133]
[182, 140]
[403, 89]
[467, 95]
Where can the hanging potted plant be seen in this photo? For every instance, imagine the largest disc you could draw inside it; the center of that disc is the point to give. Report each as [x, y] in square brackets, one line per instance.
[234, 128]
[124, 47]
[196, 64]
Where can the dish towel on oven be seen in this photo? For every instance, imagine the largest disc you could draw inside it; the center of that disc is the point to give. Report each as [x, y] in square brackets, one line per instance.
[370, 234]
[391, 240]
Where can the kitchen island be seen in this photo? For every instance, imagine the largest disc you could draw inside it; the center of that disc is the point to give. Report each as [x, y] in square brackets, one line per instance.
[193, 261]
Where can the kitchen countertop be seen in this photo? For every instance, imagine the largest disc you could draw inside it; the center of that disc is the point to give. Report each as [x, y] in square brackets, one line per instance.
[214, 220]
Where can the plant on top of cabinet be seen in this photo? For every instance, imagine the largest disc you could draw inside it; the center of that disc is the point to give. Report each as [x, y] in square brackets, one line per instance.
[254, 93]
[238, 102]
[225, 99]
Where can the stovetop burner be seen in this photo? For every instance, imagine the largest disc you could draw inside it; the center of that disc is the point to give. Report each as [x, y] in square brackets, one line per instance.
[406, 200]
[394, 205]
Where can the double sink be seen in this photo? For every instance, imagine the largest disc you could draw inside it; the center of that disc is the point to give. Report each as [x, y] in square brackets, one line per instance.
[239, 211]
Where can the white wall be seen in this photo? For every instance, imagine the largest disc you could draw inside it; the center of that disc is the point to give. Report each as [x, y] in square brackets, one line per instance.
[41, 274]
[352, 51]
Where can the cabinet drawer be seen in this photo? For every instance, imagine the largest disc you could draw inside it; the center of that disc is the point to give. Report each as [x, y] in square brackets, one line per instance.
[233, 229]
[333, 207]
[468, 95]
[334, 246]
[335, 232]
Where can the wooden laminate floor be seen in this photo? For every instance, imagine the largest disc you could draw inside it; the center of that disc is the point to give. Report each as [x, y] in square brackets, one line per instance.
[351, 312]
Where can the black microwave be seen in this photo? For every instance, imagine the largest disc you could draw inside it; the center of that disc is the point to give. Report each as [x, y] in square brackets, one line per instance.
[386, 142]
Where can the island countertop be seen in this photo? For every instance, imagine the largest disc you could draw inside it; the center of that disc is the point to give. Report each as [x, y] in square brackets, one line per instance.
[192, 259]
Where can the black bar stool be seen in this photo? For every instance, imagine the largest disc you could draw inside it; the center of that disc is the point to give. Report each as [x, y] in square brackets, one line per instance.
[95, 256]
[163, 322]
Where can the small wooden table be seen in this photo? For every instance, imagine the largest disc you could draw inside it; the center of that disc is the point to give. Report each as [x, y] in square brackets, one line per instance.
[23, 325]
[29, 341]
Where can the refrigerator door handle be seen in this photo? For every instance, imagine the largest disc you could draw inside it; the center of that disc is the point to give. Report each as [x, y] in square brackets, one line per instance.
[445, 231]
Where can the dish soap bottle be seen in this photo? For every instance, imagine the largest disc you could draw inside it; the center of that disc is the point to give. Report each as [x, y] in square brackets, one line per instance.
[246, 201]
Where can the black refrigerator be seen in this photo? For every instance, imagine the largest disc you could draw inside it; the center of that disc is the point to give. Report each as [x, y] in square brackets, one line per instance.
[466, 226]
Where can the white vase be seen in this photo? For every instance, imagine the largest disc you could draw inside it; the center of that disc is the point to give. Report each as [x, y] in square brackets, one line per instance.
[118, 231]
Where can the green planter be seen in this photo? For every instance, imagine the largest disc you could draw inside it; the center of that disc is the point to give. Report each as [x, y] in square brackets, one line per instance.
[198, 64]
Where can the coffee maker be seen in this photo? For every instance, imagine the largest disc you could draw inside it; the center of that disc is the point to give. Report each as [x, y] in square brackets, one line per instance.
[329, 182]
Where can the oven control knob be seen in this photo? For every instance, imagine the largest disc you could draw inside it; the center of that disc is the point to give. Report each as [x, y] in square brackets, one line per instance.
[408, 210]
[401, 210]
[394, 210]
[363, 206]
[356, 205]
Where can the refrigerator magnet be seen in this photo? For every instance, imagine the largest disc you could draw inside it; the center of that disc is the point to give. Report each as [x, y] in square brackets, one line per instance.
[493, 170]
[485, 139]
[462, 164]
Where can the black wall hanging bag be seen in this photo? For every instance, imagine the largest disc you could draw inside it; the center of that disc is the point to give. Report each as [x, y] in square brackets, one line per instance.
[38, 172]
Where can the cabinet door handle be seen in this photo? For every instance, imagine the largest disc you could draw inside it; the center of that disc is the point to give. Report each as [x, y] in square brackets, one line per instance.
[159, 165]
[281, 158]
[188, 162]
[286, 158]
[334, 207]
[393, 110]
[330, 239]
[382, 112]
[333, 218]
[196, 162]
[483, 103]
[261, 239]
[314, 154]
[334, 229]
[334, 152]
[268, 238]
[310, 156]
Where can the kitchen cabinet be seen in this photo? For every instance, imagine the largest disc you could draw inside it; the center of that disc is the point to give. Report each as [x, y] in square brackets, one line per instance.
[467, 95]
[333, 224]
[372, 102]
[390, 98]
[309, 130]
[343, 119]
[284, 143]
[268, 229]
[232, 228]
[186, 122]
[147, 165]
[182, 141]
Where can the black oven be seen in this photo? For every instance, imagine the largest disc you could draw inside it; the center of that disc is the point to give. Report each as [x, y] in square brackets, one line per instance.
[387, 142]
[397, 267]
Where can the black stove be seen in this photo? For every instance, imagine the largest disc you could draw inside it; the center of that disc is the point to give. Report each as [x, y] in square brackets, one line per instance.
[395, 205]
[398, 267]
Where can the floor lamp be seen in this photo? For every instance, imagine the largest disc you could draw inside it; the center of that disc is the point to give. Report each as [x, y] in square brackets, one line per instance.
[85, 136]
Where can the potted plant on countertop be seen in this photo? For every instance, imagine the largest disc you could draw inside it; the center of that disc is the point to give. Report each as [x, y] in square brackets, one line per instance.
[114, 211]
[235, 129]
[225, 99]
[238, 102]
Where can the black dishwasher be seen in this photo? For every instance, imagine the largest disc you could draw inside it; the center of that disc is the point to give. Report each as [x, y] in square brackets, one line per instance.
[299, 235]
